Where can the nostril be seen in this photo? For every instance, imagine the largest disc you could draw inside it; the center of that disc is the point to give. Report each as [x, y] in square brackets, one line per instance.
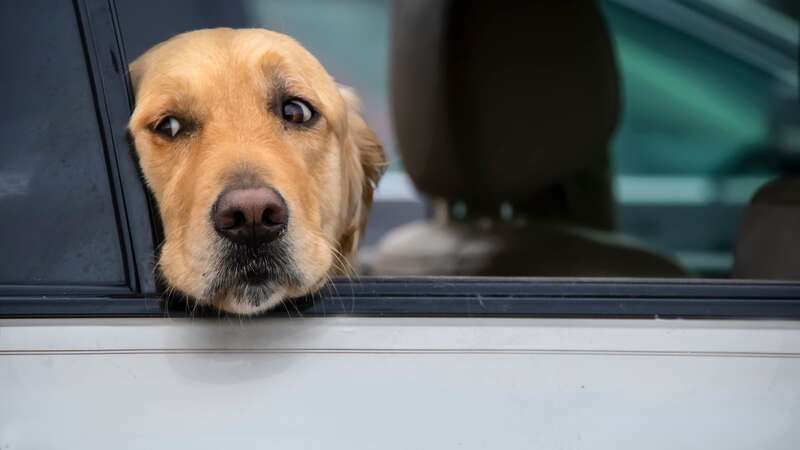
[238, 219]
[229, 219]
[272, 216]
[265, 217]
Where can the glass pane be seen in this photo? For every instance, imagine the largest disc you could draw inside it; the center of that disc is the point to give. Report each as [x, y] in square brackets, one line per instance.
[58, 219]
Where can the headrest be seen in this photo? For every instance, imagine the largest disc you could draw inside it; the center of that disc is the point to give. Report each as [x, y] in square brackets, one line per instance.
[768, 245]
[494, 101]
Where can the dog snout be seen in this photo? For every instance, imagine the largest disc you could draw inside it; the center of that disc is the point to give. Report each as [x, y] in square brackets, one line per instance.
[250, 216]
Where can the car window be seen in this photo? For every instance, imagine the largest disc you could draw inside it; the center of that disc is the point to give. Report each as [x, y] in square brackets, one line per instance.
[699, 130]
[704, 124]
[696, 137]
[58, 224]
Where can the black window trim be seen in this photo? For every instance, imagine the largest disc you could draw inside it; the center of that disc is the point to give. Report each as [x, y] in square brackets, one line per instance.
[472, 297]
[368, 296]
[107, 59]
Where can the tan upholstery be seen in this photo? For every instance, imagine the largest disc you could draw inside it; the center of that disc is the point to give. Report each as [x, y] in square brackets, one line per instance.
[504, 112]
[768, 245]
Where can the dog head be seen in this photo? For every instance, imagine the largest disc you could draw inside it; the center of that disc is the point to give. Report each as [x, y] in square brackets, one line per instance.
[262, 167]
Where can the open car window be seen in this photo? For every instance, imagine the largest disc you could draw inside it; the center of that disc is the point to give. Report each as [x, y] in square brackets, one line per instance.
[709, 98]
[708, 115]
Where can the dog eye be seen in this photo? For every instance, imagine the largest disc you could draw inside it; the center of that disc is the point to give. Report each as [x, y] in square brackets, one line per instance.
[168, 126]
[297, 111]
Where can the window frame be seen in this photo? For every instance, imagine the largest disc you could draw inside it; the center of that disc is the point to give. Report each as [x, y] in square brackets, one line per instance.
[471, 297]
[108, 79]
[364, 297]
[107, 58]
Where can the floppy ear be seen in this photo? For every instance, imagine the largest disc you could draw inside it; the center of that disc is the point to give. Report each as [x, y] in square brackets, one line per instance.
[365, 162]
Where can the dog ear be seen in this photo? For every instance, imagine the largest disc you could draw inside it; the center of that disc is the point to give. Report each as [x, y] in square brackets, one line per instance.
[364, 166]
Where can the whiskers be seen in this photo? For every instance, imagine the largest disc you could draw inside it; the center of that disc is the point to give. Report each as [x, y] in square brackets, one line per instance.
[341, 266]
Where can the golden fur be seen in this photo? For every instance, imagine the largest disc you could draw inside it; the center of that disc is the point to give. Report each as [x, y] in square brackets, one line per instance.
[222, 82]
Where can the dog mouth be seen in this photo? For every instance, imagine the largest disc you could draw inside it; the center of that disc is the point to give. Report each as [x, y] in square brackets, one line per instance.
[251, 277]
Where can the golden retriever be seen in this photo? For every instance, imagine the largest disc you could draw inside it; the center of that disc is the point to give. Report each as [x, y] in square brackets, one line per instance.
[261, 165]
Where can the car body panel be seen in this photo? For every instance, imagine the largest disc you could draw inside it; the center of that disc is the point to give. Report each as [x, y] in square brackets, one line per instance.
[361, 382]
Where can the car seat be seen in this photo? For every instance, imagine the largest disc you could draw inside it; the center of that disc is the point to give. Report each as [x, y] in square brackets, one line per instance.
[503, 113]
[767, 246]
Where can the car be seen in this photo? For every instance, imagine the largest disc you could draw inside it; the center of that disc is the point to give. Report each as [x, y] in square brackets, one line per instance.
[93, 354]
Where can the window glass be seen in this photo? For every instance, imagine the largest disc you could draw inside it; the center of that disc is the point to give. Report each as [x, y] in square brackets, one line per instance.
[58, 218]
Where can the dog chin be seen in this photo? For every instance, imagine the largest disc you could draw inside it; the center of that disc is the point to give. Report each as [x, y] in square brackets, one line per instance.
[248, 300]
[251, 280]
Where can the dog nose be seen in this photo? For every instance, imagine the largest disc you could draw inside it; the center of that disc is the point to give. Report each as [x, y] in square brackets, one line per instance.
[251, 216]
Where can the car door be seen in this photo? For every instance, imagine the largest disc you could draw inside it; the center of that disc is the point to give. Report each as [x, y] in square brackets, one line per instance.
[92, 357]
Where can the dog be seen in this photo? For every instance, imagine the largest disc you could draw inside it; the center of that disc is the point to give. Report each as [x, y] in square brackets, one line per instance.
[261, 165]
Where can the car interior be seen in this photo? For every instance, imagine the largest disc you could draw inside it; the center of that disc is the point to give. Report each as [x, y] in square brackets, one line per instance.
[766, 247]
[557, 139]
